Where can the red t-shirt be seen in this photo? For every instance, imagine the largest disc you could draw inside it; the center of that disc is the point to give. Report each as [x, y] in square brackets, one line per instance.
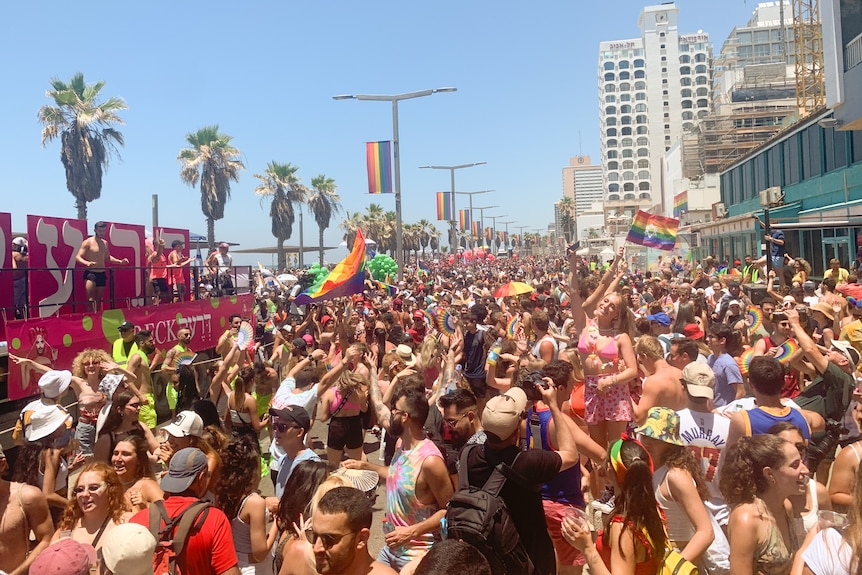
[209, 550]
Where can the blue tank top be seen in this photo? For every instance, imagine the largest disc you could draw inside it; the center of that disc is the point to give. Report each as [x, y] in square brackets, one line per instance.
[566, 486]
[760, 419]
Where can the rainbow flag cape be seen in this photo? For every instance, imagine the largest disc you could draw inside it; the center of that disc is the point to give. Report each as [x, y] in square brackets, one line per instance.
[653, 231]
[464, 220]
[347, 278]
[379, 163]
[445, 207]
[680, 204]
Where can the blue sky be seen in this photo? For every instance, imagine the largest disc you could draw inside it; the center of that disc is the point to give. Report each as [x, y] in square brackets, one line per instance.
[265, 72]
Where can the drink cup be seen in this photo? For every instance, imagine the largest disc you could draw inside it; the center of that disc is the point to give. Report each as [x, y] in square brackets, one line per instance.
[831, 519]
[578, 516]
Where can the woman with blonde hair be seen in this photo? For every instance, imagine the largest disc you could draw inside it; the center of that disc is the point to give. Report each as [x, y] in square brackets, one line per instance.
[98, 506]
[343, 405]
[802, 270]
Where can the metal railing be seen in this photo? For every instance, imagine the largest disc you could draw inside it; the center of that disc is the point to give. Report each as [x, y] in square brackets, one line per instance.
[224, 283]
[853, 53]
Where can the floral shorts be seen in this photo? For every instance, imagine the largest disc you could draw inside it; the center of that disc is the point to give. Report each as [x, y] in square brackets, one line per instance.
[613, 405]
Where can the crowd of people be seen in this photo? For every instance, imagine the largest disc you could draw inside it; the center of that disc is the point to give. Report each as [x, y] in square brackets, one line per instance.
[698, 414]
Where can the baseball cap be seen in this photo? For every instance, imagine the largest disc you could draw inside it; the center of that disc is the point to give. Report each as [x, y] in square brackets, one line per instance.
[45, 421]
[128, 550]
[405, 352]
[299, 343]
[186, 423]
[65, 557]
[223, 245]
[660, 317]
[662, 423]
[503, 413]
[847, 350]
[699, 380]
[293, 413]
[734, 302]
[185, 466]
[809, 286]
[693, 331]
[325, 319]
[308, 339]
[53, 383]
[126, 325]
[418, 314]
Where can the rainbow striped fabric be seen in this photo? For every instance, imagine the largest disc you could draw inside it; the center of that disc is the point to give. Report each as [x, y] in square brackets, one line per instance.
[680, 204]
[653, 231]
[464, 220]
[477, 229]
[379, 163]
[445, 207]
[347, 278]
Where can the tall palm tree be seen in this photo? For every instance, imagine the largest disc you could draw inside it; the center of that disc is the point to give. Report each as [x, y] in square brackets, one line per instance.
[324, 203]
[567, 220]
[426, 228]
[211, 159]
[87, 134]
[280, 182]
[349, 225]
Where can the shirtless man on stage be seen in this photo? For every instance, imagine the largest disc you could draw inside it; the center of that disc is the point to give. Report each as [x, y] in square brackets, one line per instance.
[92, 255]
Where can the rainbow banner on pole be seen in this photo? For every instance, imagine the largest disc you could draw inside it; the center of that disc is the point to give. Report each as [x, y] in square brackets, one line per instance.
[464, 220]
[378, 159]
[445, 207]
[477, 229]
[488, 234]
[347, 278]
[680, 204]
[653, 231]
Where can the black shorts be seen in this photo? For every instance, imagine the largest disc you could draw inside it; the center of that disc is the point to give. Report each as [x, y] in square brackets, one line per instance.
[98, 278]
[478, 385]
[160, 285]
[345, 432]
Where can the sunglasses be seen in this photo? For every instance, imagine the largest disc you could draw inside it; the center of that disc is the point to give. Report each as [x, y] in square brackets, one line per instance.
[90, 489]
[329, 540]
[282, 427]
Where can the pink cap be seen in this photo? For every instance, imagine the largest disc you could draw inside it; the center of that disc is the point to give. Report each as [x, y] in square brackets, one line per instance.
[308, 339]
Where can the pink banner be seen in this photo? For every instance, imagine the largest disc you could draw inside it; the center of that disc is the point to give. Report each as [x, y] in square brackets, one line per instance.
[126, 281]
[55, 341]
[54, 242]
[7, 300]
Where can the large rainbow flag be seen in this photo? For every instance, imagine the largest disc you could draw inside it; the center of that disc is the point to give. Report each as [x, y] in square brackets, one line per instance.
[445, 208]
[653, 231]
[379, 163]
[347, 278]
[477, 229]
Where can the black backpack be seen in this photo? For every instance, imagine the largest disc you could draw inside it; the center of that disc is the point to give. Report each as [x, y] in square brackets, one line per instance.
[480, 517]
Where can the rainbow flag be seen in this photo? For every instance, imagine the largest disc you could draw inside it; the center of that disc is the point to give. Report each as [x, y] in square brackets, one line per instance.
[680, 204]
[488, 233]
[477, 229]
[445, 207]
[379, 163]
[390, 289]
[347, 278]
[464, 220]
[423, 267]
[653, 231]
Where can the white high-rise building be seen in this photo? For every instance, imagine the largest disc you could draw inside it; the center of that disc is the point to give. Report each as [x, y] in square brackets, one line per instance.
[650, 89]
[583, 182]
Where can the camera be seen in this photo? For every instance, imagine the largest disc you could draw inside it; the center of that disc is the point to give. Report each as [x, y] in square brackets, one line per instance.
[529, 381]
[823, 447]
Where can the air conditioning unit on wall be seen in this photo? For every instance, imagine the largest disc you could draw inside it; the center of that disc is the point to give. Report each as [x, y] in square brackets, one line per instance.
[771, 196]
[720, 210]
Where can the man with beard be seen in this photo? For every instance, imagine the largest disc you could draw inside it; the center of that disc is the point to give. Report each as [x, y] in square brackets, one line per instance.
[339, 533]
[461, 419]
[418, 486]
[139, 364]
[93, 254]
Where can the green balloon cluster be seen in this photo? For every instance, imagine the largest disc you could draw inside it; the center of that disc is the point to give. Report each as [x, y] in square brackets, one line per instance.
[318, 272]
[381, 266]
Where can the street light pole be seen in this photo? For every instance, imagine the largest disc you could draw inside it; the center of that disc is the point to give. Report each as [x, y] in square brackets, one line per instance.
[506, 236]
[482, 219]
[494, 227]
[521, 234]
[396, 156]
[452, 234]
[471, 194]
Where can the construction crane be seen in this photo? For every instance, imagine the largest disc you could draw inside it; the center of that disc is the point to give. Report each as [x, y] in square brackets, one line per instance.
[808, 55]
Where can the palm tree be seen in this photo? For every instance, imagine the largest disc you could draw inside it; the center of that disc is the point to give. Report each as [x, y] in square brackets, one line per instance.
[324, 203]
[373, 223]
[280, 182]
[349, 225]
[210, 159]
[426, 228]
[567, 220]
[87, 135]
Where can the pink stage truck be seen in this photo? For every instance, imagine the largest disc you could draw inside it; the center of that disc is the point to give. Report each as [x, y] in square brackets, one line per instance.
[45, 315]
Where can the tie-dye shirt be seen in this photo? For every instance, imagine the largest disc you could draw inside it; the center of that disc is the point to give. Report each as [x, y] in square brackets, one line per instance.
[403, 508]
